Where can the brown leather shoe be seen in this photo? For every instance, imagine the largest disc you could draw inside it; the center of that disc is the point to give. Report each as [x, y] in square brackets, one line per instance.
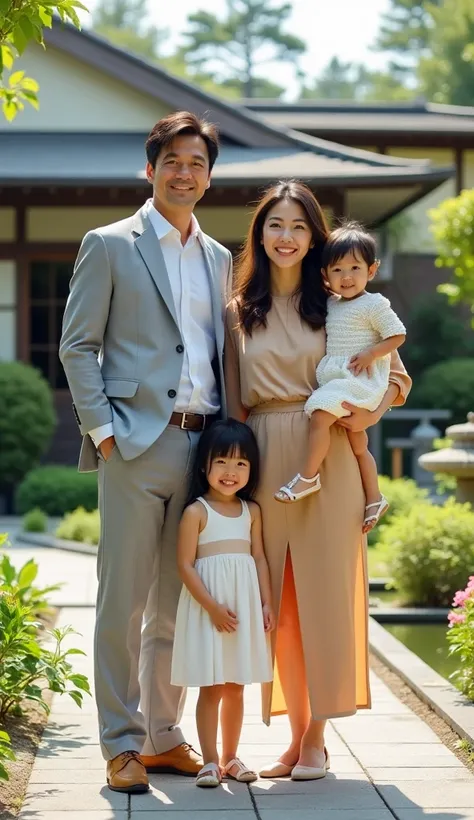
[126, 773]
[183, 759]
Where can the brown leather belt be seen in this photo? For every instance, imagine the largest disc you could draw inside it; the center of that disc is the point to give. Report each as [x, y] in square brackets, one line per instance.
[191, 421]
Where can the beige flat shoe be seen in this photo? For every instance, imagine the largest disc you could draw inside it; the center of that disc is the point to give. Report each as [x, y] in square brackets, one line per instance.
[311, 772]
[276, 769]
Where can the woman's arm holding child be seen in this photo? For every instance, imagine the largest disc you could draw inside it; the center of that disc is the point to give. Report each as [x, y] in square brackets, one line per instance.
[191, 523]
[258, 554]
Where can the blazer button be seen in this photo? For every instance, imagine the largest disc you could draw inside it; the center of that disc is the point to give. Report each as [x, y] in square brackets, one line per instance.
[172, 394]
[179, 349]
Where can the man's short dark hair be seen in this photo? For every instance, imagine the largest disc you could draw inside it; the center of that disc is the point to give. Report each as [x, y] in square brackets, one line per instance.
[176, 125]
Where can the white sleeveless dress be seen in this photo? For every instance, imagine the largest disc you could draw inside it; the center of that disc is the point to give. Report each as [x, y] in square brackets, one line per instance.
[202, 656]
[351, 326]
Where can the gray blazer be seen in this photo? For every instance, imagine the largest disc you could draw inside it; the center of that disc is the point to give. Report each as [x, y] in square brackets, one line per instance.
[121, 347]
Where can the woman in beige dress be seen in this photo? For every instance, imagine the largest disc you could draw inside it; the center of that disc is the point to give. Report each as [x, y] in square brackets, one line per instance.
[315, 549]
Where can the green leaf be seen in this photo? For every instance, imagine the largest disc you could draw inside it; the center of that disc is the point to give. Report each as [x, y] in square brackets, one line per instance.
[15, 79]
[3, 773]
[10, 110]
[4, 737]
[29, 571]
[77, 697]
[7, 60]
[19, 40]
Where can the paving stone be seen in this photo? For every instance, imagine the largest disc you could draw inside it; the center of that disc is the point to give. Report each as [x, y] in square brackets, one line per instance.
[330, 793]
[182, 795]
[72, 774]
[425, 794]
[267, 787]
[391, 775]
[388, 730]
[435, 814]
[418, 755]
[316, 813]
[72, 797]
[108, 814]
[196, 814]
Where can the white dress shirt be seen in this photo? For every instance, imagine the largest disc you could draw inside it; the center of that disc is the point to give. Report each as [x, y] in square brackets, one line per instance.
[187, 272]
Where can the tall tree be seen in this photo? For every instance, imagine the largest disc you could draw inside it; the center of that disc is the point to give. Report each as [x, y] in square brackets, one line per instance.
[23, 21]
[337, 81]
[447, 73]
[233, 48]
[353, 81]
[405, 32]
[125, 23]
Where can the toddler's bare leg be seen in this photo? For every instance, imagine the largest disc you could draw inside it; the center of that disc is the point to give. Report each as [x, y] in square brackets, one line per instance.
[320, 425]
[367, 466]
[368, 470]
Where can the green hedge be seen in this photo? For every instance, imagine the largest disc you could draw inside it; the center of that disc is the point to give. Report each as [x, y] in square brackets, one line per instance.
[446, 386]
[401, 494]
[56, 490]
[430, 551]
[27, 420]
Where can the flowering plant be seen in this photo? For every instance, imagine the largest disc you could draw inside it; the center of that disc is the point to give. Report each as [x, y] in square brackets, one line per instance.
[461, 636]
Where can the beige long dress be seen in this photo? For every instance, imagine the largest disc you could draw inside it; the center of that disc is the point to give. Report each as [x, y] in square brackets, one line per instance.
[269, 376]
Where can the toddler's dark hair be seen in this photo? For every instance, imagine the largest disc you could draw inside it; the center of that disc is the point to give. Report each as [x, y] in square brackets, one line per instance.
[350, 237]
[227, 439]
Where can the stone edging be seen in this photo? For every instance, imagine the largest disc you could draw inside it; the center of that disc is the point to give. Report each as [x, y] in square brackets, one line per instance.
[455, 709]
[49, 540]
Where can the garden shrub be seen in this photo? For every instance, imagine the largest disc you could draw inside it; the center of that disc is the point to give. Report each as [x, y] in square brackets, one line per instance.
[27, 420]
[435, 332]
[448, 385]
[27, 668]
[80, 525]
[57, 490]
[401, 493]
[430, 551]
[35, 521]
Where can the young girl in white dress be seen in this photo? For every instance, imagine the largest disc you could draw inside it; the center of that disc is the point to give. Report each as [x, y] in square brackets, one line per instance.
[361, 332]
[224, 614]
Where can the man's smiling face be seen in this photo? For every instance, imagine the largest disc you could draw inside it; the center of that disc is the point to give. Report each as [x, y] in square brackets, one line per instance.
[181, 175]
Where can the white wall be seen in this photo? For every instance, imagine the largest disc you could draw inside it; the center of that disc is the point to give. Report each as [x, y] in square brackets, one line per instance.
[75, 97]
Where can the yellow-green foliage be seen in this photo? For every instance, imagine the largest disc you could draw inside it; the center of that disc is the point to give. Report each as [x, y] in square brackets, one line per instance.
[80, 525]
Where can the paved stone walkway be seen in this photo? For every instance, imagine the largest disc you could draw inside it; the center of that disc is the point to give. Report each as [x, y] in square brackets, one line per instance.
[386, 763]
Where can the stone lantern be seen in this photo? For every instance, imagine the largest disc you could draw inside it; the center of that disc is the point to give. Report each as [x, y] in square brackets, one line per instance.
[457, 460]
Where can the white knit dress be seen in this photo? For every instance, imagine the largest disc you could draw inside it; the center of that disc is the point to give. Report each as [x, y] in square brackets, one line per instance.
[351, 326]
[202, 656]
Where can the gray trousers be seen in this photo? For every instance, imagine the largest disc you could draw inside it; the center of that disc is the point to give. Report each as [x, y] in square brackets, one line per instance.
[140, 504]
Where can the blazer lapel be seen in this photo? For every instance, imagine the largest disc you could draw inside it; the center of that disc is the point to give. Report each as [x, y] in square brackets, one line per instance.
[149, 248]
[216, 296]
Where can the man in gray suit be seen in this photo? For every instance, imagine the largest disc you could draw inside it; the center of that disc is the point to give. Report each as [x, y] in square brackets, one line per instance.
[142, 349]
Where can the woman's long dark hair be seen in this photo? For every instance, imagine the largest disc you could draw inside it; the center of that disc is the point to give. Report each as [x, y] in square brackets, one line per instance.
[224, 439]
[252, 283]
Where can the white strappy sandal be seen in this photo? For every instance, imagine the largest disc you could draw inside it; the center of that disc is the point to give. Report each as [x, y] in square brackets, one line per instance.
[286, 495]
[244, 775]
[209, 776]
[381, 508]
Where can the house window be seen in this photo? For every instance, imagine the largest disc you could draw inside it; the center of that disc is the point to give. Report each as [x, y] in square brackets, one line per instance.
[49, 289]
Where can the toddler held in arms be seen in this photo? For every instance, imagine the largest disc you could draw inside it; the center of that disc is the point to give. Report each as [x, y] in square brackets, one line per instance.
[362, 330]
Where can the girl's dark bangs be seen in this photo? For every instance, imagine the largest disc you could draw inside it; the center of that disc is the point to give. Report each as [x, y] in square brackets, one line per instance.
[335, 250]
[229, 444]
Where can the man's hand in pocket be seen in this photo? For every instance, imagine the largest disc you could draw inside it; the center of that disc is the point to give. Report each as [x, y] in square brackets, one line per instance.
[106, 446]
